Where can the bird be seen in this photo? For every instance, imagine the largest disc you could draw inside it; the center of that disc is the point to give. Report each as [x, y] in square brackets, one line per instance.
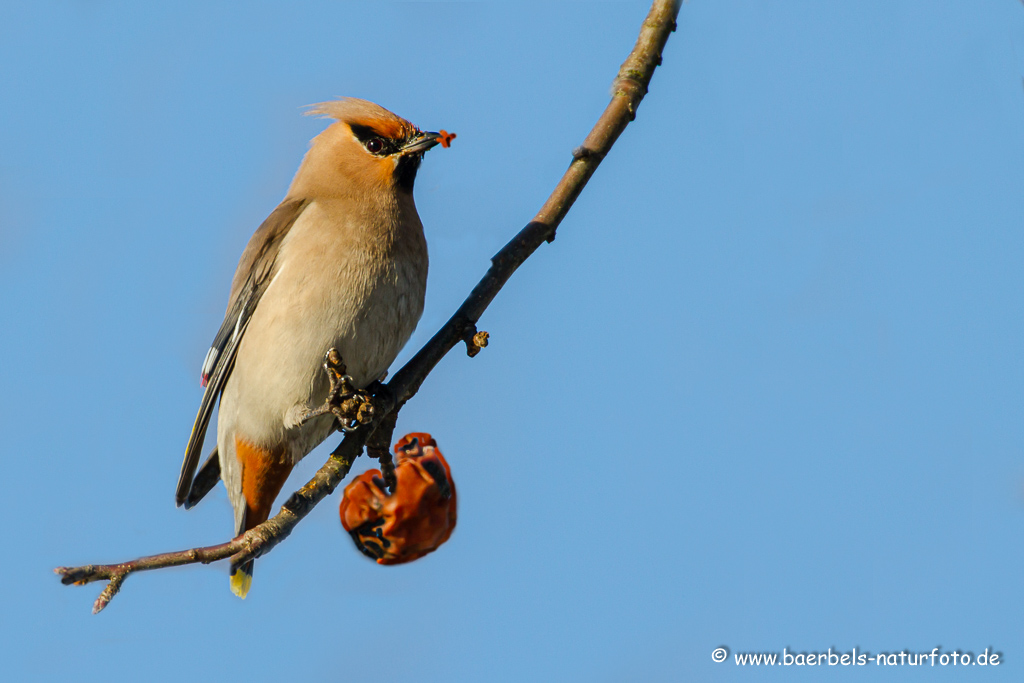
[341, 263]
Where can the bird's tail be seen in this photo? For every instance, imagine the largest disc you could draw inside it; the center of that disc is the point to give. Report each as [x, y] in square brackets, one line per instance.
[241, 579]
[241, 575]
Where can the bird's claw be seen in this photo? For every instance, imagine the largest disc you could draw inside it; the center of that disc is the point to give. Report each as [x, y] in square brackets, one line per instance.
[351, 407]
[354, 412]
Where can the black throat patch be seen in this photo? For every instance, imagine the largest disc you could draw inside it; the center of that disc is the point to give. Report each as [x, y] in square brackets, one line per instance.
[405, 171]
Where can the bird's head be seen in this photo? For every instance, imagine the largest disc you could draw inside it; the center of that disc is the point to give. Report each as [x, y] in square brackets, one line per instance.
[367, 148]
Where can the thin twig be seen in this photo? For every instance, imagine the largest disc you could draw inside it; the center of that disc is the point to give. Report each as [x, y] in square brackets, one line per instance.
[378, 446]
[253, 543]
[628, 90]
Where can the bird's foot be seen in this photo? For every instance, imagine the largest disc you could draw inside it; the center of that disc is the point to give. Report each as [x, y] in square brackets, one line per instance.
[350, 406]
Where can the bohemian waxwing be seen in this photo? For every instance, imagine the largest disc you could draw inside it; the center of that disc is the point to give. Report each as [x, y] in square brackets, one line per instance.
[342, 263]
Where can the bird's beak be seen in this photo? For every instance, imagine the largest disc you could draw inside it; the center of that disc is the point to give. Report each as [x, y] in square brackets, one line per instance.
[421, 142]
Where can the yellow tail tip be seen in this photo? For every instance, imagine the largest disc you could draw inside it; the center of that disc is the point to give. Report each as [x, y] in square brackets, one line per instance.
[240, 583]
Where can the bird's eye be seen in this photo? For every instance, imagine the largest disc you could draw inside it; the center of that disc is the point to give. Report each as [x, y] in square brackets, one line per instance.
[375, 146]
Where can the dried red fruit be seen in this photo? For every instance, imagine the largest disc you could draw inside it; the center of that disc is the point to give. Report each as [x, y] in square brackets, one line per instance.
[413, 521]
[446, 138]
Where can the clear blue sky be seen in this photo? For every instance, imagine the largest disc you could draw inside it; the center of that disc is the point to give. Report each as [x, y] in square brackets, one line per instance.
[763, 391]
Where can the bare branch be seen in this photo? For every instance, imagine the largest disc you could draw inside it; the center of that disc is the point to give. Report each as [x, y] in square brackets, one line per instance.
[628, 90]
[253, 543]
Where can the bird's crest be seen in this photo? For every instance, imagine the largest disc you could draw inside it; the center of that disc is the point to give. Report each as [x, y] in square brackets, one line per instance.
[353, 111]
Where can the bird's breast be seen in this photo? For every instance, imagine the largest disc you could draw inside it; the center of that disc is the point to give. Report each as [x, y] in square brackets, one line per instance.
[342, 281]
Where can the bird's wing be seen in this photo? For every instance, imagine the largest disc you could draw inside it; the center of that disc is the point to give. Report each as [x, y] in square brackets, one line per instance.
[206, 478]
[255, 271]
